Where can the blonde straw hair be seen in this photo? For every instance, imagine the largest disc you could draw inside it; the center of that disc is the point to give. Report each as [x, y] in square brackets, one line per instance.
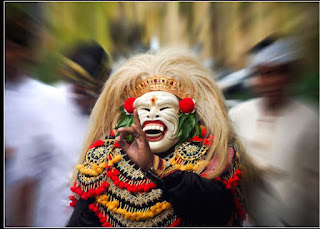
[187, 70]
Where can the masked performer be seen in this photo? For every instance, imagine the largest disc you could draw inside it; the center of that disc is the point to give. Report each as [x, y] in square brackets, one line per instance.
[160, 150]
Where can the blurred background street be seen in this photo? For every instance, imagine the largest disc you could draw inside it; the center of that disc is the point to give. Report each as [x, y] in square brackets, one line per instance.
[59, 54]
[220, 33]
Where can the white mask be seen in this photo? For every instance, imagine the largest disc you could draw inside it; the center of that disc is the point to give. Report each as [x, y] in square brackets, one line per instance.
[159, 117]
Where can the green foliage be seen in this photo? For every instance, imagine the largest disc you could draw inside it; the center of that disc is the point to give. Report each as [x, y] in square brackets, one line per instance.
[126, 121]
[189, 127]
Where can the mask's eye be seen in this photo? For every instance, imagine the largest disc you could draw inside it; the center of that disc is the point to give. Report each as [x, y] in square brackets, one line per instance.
[146, 109]
[164, 108]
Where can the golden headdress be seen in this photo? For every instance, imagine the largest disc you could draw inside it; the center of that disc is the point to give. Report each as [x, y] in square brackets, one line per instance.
[159, 83]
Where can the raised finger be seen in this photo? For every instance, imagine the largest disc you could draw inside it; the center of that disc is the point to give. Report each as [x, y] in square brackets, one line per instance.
[122, 144]
[128, 130]
[125, 131]
[136, 118]
[138, 130]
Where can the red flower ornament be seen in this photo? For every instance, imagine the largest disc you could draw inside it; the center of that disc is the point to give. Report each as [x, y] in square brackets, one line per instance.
[128, 106]
[96, 144]
[203, 131]
[187, 105]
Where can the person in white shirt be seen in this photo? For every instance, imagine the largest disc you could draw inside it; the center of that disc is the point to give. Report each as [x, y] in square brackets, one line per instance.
[30, 106]
[281, 134]
[83, 70]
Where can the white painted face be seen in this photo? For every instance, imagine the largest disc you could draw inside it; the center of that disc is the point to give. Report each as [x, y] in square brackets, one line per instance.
[159, 117]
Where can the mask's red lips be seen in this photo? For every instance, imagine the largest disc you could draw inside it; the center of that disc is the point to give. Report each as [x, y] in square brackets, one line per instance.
[155, 130]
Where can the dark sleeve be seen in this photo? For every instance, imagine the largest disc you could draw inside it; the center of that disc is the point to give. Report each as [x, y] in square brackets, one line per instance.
[197, 199]
[82, 216]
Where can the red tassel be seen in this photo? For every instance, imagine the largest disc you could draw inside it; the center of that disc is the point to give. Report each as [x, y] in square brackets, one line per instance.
[152, 185]
[236, 178]
[97, 191]
[105, 184]
[238, 172]
[95, 209]
[231, 181]
[116, 181]
[73, 203]
[103, 220]
[140, 187]
[100, 215]
[116, 144]
[218, 179]
[130, 188]
[91, 193]
[78, 191]
[115, 172]
[135, 188]
[176, 223]
[99, 142]
[225, 182]
[203, 131]
[146, 188]
[100, 190]
[103, 189]
[228, 186]
[121, 185]
[109, 174]
[84, 196]
[91, 206]
[126, 185]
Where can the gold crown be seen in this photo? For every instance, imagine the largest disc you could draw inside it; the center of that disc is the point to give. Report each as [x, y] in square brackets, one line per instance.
[161, 83]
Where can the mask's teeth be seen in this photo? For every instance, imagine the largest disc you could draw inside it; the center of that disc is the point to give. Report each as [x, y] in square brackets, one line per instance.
[153, 127]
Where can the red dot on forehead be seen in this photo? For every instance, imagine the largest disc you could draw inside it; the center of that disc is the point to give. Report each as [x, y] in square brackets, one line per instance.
[153, 100]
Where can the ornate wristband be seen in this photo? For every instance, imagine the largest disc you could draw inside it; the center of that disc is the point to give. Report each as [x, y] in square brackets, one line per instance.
[153, 176]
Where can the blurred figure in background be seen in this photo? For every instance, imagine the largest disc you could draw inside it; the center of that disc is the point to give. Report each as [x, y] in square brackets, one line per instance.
[84, 70]
[29, 108]
[281, 134]
[238, 81]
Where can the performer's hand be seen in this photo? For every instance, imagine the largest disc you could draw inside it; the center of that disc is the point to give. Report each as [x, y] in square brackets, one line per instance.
[139, 151]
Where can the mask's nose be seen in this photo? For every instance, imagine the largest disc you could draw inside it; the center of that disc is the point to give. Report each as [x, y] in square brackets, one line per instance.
[154, 113]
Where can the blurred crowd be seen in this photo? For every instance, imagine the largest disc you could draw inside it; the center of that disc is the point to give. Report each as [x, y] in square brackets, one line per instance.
[45, 126]
[281, 134]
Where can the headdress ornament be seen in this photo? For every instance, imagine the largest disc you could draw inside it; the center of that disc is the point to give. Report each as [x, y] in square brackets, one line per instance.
[160, 83]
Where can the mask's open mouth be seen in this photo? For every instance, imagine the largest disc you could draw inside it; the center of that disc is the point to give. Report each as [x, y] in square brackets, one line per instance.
[155, 130]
